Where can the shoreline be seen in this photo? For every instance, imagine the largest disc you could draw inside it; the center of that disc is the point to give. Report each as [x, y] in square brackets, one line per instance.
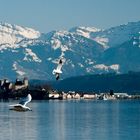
[53, 95]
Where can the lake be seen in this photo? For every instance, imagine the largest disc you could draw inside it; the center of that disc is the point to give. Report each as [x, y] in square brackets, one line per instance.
[72, 120]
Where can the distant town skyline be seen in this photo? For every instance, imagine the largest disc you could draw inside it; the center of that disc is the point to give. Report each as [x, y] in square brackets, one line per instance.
[48, 15]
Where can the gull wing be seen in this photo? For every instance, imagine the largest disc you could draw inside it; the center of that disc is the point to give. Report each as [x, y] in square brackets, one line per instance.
[25, 100]
[19, 107]
[16, 105]
[59, 65]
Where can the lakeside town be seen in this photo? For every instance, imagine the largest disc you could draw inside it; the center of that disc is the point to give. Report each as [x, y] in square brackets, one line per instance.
[21, 88]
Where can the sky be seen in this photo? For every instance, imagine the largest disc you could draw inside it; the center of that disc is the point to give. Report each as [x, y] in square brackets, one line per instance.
[48, 15]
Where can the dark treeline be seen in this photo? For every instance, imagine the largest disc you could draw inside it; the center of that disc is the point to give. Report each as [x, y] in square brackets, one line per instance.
[129, 83]
[37, 91]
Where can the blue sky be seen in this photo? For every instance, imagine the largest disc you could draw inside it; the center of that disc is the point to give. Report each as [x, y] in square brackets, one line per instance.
[47, 15]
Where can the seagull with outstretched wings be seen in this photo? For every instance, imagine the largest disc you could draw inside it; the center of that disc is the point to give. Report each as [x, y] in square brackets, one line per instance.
[58, 71]
[21, 106]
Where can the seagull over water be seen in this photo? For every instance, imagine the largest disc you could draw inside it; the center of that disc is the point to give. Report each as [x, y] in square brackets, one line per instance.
[58, 71]
[21, 106]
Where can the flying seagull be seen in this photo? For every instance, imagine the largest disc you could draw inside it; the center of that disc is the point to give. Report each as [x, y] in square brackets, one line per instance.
[21, 106]
[58, 71]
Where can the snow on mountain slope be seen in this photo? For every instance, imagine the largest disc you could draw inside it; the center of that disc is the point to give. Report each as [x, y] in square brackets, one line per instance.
[67, 41]
[36, 57]
[30, 56]
[13, 34]
[84, 31]
[136, 40]
[127, 55]
[78, 52]
[102, 68]
[85, 50]
[115, 36]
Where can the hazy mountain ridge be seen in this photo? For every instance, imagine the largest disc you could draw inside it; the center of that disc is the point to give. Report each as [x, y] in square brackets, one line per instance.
[86, 50]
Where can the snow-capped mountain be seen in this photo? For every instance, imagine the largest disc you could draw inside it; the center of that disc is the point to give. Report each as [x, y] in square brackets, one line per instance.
[84, 31]
[127, 55]
[115, 36]
[85, 50]
[11, 35]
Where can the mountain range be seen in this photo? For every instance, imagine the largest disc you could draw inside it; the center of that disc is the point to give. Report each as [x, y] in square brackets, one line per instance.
[25, 52]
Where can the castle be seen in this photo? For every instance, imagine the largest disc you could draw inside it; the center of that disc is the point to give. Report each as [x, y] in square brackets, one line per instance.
[21, 84]
[5, 84]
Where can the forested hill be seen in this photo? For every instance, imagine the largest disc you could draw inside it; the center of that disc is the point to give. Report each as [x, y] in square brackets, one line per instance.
[129, 82]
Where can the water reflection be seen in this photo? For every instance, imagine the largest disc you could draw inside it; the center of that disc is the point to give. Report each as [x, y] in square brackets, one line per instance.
[72, 120]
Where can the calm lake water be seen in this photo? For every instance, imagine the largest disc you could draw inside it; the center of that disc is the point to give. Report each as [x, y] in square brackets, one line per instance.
[72, 120]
